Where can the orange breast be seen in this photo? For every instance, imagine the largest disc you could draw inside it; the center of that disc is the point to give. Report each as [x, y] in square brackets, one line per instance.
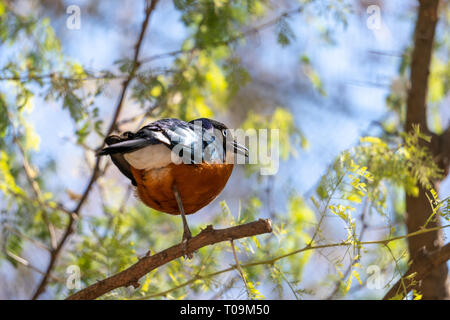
[198, 185]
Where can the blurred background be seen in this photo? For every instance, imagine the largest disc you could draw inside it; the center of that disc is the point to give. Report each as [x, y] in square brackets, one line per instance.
[325, 73]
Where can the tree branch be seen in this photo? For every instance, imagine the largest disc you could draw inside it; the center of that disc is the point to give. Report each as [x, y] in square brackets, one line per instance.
[440, 147]
[420, 65]
[421, 267]
[95, 172]
[27, 264]
[418, 208]
[208, 236]
[241, 35]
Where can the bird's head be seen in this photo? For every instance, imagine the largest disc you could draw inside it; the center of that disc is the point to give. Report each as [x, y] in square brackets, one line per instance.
[218, 131]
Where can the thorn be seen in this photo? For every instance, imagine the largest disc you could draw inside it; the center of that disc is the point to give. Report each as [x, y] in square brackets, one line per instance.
[147, 254]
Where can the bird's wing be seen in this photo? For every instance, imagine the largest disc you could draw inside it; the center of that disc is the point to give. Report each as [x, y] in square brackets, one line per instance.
[191, 141]
[155, 133]
[186, 139]
[117, 157]
[168, 132]
[123, 166]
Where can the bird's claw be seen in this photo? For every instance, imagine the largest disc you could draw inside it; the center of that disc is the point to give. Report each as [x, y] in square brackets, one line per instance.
[184, 242]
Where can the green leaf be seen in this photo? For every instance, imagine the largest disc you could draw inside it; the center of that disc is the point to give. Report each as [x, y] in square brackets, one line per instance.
[4, 120]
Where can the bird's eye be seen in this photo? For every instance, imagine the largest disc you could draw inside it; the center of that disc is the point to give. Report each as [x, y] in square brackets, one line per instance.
[128, 135]
[224, 132]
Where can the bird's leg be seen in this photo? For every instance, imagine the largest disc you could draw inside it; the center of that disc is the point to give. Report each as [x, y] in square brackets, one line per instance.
[186, 232]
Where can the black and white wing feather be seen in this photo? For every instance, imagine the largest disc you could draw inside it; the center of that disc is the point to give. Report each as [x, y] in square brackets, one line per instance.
[152, 145]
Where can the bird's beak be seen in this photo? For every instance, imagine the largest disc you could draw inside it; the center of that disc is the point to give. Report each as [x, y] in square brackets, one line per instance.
[238, 148]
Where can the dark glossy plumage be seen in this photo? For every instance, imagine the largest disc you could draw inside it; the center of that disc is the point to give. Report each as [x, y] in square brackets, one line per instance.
[187, 138]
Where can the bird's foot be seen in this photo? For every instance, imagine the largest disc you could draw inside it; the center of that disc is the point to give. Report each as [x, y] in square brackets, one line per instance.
[184, 242]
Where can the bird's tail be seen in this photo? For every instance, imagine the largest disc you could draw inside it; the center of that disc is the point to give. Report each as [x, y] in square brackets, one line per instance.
[118, 145]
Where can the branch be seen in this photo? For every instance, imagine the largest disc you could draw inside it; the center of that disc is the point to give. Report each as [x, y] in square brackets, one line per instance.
[95, 172]
[27, 264]
[33, 183]
[238, 266]
[347, 272]
[420, 65]
[440, 147]
[273, 260]
[208, 236]
[418, 208]
[243, 34]
[58, 76]
[421, 267]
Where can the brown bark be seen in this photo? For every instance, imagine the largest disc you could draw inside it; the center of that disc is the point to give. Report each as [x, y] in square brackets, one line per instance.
[423, 264]
[131, 275]
[435, 284]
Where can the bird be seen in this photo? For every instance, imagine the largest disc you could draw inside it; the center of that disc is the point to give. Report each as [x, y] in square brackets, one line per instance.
[177, 167]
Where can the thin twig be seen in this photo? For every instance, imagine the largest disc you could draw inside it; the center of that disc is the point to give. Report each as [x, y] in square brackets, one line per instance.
[27, 264]
[228, 285]
[32, 182]
[18, 233]
[238, 266]
[246, 33]
[355, 261]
